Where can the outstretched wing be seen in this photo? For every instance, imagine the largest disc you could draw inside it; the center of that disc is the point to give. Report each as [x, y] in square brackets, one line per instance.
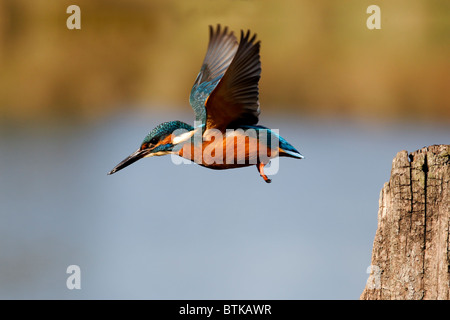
[234, 101]
[222, 48]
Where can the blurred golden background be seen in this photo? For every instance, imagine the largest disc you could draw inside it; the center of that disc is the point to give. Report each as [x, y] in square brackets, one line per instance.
[318, 57]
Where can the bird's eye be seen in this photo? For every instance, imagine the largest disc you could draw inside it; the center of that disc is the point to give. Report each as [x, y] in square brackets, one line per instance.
[154, 141]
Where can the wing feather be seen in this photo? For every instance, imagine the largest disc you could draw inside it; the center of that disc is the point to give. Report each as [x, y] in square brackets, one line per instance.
[221, 50]
[234, 100]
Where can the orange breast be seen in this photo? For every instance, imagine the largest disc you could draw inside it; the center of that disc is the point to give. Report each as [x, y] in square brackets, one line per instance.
[228, 151]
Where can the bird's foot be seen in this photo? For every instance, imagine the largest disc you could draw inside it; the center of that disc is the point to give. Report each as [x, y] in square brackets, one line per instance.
[260, 167]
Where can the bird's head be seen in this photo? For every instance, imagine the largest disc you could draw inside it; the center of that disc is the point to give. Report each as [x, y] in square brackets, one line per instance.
[160, 141]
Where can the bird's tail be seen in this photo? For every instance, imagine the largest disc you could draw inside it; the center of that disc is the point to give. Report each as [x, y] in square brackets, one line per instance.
[287, 150]
[290, 153]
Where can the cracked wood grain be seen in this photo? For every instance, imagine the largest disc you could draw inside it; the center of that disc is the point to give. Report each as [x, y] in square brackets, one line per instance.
[411, 249]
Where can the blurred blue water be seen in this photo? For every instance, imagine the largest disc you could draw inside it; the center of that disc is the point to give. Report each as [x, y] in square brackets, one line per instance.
[160, 231]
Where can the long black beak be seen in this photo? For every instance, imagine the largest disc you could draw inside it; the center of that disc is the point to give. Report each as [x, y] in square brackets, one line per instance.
[135, 156]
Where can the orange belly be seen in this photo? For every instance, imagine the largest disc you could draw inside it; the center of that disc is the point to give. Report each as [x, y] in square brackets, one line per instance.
[229, 151]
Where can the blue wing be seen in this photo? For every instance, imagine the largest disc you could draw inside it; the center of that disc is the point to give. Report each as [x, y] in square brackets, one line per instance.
[222, 48]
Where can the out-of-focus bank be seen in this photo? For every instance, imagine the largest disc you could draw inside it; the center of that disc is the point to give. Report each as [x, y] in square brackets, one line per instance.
[318, 57]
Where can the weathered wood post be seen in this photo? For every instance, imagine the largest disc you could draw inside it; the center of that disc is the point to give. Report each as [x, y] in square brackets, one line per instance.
[411, 250]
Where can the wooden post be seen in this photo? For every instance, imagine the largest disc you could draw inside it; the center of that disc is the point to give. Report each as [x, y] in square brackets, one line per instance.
[411, 250]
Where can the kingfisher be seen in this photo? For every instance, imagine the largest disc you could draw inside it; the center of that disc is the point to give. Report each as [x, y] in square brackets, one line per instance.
[225, 100]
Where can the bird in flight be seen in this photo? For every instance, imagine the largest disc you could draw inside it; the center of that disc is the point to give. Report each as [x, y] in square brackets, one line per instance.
[225, 101]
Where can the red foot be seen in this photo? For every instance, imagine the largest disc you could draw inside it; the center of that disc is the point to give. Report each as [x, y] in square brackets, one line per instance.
[260, 167]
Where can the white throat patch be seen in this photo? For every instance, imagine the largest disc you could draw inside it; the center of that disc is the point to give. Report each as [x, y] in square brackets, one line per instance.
[183, 137]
